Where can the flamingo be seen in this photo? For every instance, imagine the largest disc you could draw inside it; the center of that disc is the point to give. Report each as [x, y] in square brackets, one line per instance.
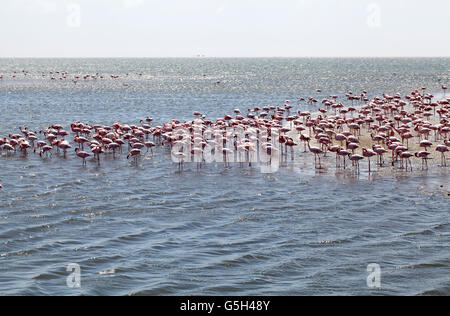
[24, 145]
[97, 150]
[226, 153]
[344, 153]
[134, 153]
[46, 150]
[8, 148]
[80, 141]
[424, 156]
[443, 149]
[425, 144]
[83, 155]
[64, 145]
[405, 156]
[335, 149]
[340, 138]
[352, 147]
[356, 159]
[113, 146]
[316, 151]
[305, 139]
[407, 136]
[180, 156]
[290, 143]
[368, 154]
[149, 146]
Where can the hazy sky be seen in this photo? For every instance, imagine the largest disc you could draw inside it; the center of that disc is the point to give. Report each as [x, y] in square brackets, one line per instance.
[216, 28]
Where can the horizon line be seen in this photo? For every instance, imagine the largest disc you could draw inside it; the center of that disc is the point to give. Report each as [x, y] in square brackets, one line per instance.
[206, 57]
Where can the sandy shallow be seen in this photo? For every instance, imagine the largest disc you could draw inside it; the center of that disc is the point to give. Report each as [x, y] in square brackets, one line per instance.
[305, 160]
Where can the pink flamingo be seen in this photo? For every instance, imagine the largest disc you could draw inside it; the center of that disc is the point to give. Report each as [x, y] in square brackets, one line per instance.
[97, 150]
[424, 156]
[8, 148]
[290, 143]
[405, 156]
[226, 154]
[341, 138]
[442, 149]
[352, 147]
[24, 145]
[356, 159]
[368, 154]
[407, 136]
[81, 141]
[46, 150]
[316, 151]
[425, 144]
[344, 153]
[149, 146]
[83, 155]
[113, 146]
[305, 139]
[134, 153]
[64, 145]
[335, 149]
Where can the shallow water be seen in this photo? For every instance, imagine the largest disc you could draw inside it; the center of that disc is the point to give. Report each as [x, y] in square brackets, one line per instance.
[220, 231]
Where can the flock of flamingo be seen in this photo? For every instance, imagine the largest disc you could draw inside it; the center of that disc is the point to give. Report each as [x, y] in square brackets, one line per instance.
[414, 126]
[62, 76]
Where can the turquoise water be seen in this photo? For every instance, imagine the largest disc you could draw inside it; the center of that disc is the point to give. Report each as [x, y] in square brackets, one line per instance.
[152, 230]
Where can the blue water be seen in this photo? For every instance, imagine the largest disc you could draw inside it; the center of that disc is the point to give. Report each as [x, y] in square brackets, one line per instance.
[149, 229]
